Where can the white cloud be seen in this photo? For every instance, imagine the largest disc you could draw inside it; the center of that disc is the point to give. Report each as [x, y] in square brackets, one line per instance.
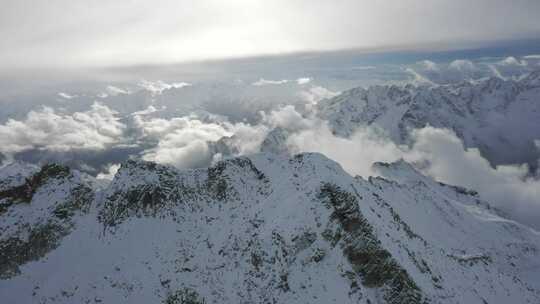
[247, 138]
[440, 151]
[157, 87]
[46, 129]
[151, 109]
[182, 142]
[109, 174]
[356, 154]
[288, 118]
[512, 61]
[363, 68]
[262, 82]
[317, 93]
[462, 65]
[429, 65]
[506, 187]
[303, 80]
[66, 95]
[114, 91]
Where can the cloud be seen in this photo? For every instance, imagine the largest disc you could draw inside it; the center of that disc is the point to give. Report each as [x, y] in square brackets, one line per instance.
[66, 95]
[363, 68]
[317, 93]
[429, 65]
[512, 61]
[287, 117]
[462, 65]
[303, 80]
[151, 109]
[299, 81]
[506, 187]
[46, 129]
[262, 82]
[109, 174]
[157, 87]
[511, 188]
[114, 91]
[356, 154]
[184, 141]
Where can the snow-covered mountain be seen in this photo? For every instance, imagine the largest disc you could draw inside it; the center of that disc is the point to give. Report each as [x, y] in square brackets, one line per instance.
[500, 117]
[263, 229]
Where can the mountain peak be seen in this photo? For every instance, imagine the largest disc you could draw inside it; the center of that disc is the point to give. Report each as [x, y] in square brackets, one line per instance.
[282, 229]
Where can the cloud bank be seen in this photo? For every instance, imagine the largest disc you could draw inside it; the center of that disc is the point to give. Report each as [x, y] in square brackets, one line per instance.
[441, 154]
[46, 129]
[509, 188]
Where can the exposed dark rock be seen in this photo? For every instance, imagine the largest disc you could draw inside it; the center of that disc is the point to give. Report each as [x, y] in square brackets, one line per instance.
[368, 258]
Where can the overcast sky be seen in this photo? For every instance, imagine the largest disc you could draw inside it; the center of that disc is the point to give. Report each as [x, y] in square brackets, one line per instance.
[61, 33]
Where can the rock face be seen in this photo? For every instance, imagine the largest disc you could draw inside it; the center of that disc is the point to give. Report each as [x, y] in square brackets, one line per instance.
[263, 229]
[500, 117]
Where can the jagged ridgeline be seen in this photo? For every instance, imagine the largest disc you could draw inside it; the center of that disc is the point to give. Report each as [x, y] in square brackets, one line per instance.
[481, 113]
[263, 229]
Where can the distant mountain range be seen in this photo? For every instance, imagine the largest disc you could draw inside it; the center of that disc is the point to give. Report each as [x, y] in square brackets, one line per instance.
[499, 117]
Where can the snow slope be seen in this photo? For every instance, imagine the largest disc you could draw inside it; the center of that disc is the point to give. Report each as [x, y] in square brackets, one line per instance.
[265, 229]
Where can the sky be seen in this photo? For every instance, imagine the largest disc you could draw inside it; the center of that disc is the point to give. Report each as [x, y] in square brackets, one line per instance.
[78, 33]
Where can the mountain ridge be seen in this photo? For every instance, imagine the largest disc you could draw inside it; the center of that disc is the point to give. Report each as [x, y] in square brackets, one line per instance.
[494, 115]
[273, 228]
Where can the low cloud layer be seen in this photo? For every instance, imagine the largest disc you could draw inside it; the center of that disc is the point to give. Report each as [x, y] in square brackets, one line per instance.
[157, 87]
[182, 142]
[512, 189]
[185, 141]
[109, 173]
[47, 129]
[509, 188]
